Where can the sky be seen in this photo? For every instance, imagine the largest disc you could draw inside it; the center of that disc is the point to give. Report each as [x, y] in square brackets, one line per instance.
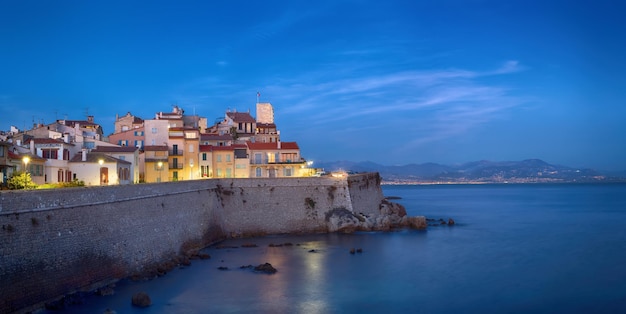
[392, 82]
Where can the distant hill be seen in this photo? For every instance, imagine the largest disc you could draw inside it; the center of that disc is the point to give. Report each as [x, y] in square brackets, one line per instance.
[525, 171]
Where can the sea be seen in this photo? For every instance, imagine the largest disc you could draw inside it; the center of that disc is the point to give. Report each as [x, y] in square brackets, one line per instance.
[515, 248]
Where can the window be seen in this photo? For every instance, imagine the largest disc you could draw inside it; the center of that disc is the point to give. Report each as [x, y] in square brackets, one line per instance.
[228, 158]
[258, 172]
[122, 143]
[139, 133]
[219, 173]
[219, 158]
[121, 157]
[1, 151]
[175, 175]
[240, 166]
[154, 130]
[287, 172]
[49, 153]
[139, 144]
[257, 158]
[203, 156]
[191, 148]
[229, 173]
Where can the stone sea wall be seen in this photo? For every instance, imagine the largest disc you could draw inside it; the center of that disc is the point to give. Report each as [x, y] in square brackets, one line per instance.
[55, 242]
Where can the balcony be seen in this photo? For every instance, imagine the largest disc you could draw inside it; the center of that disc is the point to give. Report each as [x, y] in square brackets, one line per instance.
[176, 165]
[175, 152]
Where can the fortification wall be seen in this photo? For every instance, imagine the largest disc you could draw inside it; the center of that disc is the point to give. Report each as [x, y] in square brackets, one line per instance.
[54, 242]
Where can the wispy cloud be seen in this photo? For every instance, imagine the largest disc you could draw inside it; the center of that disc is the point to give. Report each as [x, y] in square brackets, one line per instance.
[441, 103]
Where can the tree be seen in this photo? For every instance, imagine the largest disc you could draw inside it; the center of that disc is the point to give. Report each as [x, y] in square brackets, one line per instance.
[233, 132]
[21, 180]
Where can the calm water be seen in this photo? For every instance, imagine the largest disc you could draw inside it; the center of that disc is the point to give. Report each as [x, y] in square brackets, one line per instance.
[516, 249]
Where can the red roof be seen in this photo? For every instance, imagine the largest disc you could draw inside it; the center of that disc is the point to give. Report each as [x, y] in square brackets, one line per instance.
[13, 155]
[209, 148]
[215, 137]
[240, 117]
[155, 148]
[48, 141]
[114, 149]
[272, 146]
[266, 125]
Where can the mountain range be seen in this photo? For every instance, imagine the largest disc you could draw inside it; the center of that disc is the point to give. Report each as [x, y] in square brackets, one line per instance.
[525, 171]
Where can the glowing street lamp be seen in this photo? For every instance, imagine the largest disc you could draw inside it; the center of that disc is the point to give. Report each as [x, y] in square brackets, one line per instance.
[101, 162]
[160, 165]
[26, 160]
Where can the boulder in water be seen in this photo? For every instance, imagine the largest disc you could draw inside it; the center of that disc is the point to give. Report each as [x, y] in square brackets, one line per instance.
[141, 299]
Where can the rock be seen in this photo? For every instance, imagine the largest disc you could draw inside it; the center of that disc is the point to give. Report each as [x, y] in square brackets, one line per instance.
[451, 222]
[222, 268]
[109, 311]
[265, 268]
[141, 299]
[342, 220]
[185, 261]
[417, 222]
[105, 291]
[359, 250]
[248, 245]
[352, 251]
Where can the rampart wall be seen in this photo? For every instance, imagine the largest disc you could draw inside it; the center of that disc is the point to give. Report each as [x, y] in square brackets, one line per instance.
[55, 242]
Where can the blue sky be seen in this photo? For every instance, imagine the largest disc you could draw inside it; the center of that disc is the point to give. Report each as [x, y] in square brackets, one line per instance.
[394, 82]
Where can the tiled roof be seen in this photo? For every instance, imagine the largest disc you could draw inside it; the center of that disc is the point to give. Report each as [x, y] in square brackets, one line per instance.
[81, 122]
[48, 141]
[114, 149]
[91, 157]
[161, 148]
[215, 137]
[209, 148]
[240, 117]
[272, 146]
[13, 155]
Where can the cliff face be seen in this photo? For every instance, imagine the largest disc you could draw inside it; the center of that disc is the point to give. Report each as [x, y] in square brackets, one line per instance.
[55, 242]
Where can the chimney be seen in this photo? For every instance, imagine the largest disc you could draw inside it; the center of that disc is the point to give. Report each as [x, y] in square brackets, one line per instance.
[32, 146]
[84, 155]
[278, 145]
[90, 119]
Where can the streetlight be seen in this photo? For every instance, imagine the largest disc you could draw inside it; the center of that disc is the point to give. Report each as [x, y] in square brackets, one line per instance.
[26, 160]
[101, 161]
[160, 165]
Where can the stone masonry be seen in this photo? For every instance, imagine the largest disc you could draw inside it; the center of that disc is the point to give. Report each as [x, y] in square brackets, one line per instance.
[55, 242]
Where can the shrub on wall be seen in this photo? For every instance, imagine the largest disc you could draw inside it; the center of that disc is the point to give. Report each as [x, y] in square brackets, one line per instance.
[309, 202]
[21, 180]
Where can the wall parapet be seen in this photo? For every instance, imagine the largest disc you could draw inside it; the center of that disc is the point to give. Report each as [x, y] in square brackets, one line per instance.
[58, 241]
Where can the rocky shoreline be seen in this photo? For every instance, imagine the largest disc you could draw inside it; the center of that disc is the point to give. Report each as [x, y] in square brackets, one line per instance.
[391, 216]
